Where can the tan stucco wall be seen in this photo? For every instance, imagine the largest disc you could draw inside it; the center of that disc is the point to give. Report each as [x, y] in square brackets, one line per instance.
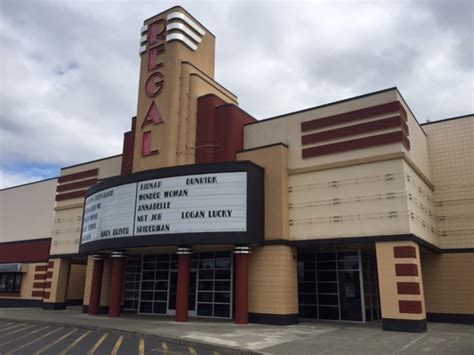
[59, 282]
[27, 280]
[108, 167]
[451, 155]
[66, 230]
[26, 212]
[384, 190]
[361, 200]
[389, 296]
[77, 278]
[288, 130]
[418, 152]
[273, 287]
[449, 282]
[275, 162]
[421, 206]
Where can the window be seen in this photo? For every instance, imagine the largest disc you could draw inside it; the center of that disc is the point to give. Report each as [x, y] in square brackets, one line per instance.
[10, 282]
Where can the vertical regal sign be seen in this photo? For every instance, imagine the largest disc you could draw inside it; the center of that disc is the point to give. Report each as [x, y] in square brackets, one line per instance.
[173, 48]
[153, 44]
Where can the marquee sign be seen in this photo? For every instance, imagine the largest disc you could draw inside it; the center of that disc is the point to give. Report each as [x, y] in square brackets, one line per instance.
[213, 204]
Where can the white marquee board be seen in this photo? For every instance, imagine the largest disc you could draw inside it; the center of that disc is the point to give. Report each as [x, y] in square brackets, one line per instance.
[182, 204]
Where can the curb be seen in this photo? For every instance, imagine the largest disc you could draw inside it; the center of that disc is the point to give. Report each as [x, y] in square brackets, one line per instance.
[225, 350]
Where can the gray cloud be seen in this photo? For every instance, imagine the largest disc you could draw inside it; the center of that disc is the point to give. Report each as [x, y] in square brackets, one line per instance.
[70, 69]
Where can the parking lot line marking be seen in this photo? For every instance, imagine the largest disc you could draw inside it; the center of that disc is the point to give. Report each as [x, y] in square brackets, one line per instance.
[117, 346]
[96, 345]
[23, 336]
[34, 341]
[16, 331]
[13, 326]
[55, 342]
[6, 325]
[411, 343]
[164, 346]
[75, 342]
[191, 350]
[141, 347]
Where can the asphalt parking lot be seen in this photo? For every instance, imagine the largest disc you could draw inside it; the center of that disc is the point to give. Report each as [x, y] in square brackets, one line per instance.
[27, 331]
[23, 338]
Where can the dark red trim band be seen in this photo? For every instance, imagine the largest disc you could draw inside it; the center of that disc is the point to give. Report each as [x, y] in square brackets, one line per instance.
[38, 284]
[391, 122]
[406, 270]
[366, 142]
[25, 251]
[77, 185]
[404, 252]
[70, 195]
[127, 150]
[78, 176]
[351, 116]
[413, 307]
[50, 264]
[49, 274]
[40, 277]
[37, 293]
[408, 288]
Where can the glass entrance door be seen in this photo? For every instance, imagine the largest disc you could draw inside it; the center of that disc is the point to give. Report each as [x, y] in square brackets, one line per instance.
[172, 293]
[210, 284]
[330, 284]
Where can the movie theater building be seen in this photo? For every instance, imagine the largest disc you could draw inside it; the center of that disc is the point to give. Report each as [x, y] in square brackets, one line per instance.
[349, 211]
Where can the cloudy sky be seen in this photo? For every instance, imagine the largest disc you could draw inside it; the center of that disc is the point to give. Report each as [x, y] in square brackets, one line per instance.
[69, 69]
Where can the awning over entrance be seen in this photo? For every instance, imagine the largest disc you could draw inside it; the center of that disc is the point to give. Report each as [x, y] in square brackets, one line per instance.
[12, 267]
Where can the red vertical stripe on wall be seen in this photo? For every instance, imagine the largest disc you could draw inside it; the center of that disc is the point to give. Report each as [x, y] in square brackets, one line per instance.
[206, 127]
[220, 130]
[128, 149]
[116, 287]
[182, 289]
[230, 123]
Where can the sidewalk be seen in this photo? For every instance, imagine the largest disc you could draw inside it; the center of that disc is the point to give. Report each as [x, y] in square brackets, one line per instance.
[304, 338]
[222, 335]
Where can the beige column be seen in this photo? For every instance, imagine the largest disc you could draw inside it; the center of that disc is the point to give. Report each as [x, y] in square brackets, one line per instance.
[59, 276]
[273, 287]
[106, 283]
[105, 290]
[87, 284]
[401, 286]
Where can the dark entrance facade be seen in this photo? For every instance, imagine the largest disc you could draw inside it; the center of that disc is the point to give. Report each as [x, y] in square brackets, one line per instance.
[338, 283]
[151, 284]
